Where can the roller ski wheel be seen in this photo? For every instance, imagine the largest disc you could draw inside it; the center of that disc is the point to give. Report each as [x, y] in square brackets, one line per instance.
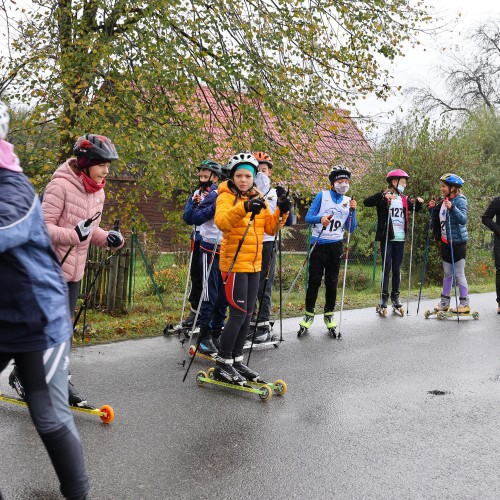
[400, 311]
[302, 331]
[428, 314]
[264, 391]
[105, 412]
[332, 332]
[381, 311]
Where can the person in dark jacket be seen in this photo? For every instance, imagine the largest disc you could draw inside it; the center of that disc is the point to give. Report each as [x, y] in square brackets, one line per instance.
[493, 211]
[207, 179]
[449, 224]
[392, 227]
[35, 322]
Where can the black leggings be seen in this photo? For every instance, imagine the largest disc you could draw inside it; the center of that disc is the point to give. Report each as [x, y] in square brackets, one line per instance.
[393, 260]
[44, 375]
[241, 292]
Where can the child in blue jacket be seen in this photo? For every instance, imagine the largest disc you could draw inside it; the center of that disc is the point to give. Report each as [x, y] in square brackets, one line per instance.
[449, 223]
[331, 213]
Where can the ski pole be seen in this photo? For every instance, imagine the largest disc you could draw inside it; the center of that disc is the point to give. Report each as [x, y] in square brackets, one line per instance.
[303, 264]
[426, 255]
[351, 210]
[193, 240]
[411, 256]
[264, 289]
[205, 286]
[281, 284]
[448, 219]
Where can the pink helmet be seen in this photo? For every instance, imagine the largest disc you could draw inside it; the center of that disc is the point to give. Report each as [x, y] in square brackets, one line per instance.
[396, 174]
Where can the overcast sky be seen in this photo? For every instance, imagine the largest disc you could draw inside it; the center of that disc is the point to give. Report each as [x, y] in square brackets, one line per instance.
[419, 67]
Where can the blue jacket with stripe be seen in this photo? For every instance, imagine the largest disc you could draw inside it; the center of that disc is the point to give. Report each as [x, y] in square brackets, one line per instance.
[34, 311]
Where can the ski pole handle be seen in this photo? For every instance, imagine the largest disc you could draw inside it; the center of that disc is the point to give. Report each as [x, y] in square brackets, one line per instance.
[116, 225]
[92, 219]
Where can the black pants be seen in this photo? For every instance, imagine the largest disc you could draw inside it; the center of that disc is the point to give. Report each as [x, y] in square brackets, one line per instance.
[44, 375]
[196, 278]
[393, 259]
[496, 253]
[324, 259]
[264, 299]
[241, 292]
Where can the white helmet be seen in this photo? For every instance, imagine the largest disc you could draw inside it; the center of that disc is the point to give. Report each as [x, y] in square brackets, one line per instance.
[4, 121]
[240, 159]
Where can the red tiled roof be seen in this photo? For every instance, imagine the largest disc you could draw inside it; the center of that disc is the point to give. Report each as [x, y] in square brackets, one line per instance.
[334, 139]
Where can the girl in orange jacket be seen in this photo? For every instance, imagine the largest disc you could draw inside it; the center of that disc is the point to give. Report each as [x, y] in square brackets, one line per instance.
[243, 216]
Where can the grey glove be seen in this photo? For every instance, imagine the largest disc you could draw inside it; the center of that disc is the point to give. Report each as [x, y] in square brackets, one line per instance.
[83, 229]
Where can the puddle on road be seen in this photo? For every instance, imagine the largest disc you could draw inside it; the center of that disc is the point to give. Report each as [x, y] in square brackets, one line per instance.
[437, 392]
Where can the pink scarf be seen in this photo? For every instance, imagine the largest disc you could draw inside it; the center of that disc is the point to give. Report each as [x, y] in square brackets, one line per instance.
[8, 159]
[90, 185]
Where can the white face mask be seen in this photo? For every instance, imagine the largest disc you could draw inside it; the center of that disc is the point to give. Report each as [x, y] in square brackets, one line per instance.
[341, 187]
[401, 188]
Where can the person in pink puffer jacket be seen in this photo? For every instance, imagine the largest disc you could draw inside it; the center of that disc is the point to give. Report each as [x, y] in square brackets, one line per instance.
[75, 195]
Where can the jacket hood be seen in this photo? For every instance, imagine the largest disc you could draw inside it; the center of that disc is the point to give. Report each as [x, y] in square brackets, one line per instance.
[67, 172]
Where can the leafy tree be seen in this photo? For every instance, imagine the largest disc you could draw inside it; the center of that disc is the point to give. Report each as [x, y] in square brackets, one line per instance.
[133, 69]
[470, 77]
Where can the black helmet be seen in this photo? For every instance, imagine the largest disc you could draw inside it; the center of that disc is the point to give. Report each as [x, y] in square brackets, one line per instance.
[211, 165]
[339, 172]
[95, 147]
[225, 172]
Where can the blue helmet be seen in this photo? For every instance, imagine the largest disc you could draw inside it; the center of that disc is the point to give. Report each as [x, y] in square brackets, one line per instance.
[452, 180]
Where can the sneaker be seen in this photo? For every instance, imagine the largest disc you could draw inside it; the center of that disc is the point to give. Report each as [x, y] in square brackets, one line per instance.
[444, 303]
[74, 398]
[15, 383]
[329, 320]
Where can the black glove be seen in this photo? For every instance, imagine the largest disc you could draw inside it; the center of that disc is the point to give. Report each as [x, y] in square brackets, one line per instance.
[254, 205]
[284, 204]
[83, 229]
[115, 239]
[280, 191]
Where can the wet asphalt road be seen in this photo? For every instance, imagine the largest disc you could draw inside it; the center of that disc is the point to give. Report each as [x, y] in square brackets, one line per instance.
[358, 420]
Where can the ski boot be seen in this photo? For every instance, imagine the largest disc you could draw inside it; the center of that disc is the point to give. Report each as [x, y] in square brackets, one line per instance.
[246, 372]
[382, 307]
[306, 323]
[15, 383]
[498, 308]
[263, 333]
[74, 398]
[225, 372]
[397, 306]
[206, 343]
[330, 323]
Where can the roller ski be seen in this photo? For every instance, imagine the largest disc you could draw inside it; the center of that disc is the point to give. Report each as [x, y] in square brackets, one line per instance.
[381, 308]
[305, 324]
[263, 337]
[206, 346]
[229, 374]
[397, 306]
[443, 310]
[331, 325]
[105, 412]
